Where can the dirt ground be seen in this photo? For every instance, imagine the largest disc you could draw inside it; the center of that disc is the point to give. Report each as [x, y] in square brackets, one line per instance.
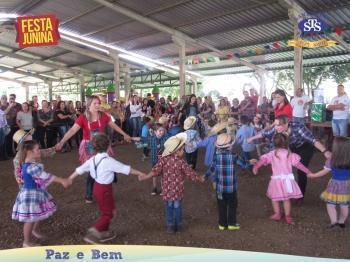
[140, 217]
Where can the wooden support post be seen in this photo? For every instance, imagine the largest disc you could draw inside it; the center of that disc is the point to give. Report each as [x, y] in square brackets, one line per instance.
[115, 57]
[82, 88]
[298, 61]
[182, 56]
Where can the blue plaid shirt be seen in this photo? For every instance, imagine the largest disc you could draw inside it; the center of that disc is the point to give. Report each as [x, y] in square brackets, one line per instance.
[157, 147]
[298, 136]
[223, 167]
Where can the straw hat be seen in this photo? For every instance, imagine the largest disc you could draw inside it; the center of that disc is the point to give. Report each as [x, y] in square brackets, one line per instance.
[231, 121]
[223, 141]
[217, 128]
[163, 120]
[189, 122]
[21, 136]
[174, 143]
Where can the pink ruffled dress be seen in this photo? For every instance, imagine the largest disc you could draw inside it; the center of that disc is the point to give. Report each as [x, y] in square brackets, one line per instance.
[282, 185]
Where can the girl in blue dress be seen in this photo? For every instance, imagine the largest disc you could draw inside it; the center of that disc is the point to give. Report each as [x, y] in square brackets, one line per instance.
[33, 202]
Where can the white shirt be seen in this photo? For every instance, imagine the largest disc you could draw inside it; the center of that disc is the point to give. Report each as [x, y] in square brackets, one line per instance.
[105, 169]
[135, 110]
[26, 120]
[341, 114]
[298, 105]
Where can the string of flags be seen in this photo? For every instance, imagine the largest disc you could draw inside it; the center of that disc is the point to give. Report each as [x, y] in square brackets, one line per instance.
[338, 30]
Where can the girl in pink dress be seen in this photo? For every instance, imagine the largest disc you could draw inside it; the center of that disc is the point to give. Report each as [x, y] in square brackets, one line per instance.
[282, 186]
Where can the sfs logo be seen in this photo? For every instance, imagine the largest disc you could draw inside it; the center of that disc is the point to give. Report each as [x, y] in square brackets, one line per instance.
[312, 25]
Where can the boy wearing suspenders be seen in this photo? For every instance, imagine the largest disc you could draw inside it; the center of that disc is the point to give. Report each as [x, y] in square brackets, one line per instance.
[102, 168]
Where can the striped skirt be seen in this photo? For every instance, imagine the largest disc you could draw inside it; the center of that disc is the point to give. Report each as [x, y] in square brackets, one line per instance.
[337, 192]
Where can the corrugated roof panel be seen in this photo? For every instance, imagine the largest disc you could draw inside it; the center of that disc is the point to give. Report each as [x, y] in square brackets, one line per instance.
[64, 9]
[98, 66]
[146, 41]
[43, 51]
[36, 68]
[7, 6]
[146, 6]
[96, 20]
[12, 61]
[123, 31]
[73, 59]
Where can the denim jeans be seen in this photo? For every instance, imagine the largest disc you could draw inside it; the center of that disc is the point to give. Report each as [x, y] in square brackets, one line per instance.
[89, 186]
[136, 126]
[62, 130]
[340, 127]
[173, 210]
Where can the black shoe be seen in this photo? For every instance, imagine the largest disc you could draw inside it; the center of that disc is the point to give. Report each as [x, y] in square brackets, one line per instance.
[341, 225]
[330, 226]
[154, 191]
[88, 200]
[178, 228]
[170, 229]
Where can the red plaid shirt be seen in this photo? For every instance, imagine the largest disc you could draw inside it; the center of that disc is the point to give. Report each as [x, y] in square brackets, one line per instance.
[173, 170]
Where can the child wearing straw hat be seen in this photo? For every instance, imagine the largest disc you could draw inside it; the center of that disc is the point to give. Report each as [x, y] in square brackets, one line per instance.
[19, 137]
[223, 167]
[193, 138]
[173, 169]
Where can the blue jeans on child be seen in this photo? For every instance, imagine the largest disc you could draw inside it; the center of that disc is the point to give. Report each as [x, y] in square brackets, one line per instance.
[173, 210]
[340, 127]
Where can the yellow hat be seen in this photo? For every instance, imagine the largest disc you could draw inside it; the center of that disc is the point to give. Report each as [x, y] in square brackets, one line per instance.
[231, 121]
[217, 128]
[174, 143]
[189, 122]
[223, 141]
[20, 136]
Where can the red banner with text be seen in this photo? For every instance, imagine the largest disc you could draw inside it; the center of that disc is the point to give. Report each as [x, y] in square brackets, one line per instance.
[37, 30]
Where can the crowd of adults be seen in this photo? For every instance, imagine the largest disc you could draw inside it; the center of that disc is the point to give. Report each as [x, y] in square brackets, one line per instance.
[52, 119]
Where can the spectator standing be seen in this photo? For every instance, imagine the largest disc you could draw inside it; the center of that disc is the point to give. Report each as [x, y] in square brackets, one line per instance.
[247, 106]
[340, 107]
[299, 105]
[283, 107]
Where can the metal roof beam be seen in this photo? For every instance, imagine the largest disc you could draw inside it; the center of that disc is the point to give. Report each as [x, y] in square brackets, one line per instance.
[43, 63]
[15, 80]
[4, 68]
[166, 29]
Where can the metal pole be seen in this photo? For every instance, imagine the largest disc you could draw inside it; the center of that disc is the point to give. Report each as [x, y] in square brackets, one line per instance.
[82, 88]
[115, 56]
[182, 55]
[49, 83]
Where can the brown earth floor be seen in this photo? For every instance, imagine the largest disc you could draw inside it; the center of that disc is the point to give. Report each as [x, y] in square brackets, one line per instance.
[140, 217]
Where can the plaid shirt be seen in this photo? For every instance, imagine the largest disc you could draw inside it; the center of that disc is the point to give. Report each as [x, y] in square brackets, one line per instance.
[157, 146]
[223, 167]
[298, 136]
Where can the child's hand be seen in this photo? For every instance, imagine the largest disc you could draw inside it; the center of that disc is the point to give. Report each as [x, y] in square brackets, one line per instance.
[66, 182]
[253, 161]
[137, 139]
[311, 175]
[58, 147]
[201, 179]
[255, 171]
[142, 177]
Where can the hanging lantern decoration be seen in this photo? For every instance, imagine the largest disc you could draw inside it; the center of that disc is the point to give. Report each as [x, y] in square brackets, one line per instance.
[155, 92]
[88, 92]
[189, 62]
[276, 45]
[250, 52]
[210, 59]
[216, 59]
[195, 61]
[229, 56]
[202, 60]
[259, 51]
[338, 30]
[328, 30]
[267, 47]
[285, 40]
[237, 55]
[110, 93]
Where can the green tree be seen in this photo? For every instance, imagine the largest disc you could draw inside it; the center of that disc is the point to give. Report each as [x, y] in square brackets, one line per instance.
[340, 73]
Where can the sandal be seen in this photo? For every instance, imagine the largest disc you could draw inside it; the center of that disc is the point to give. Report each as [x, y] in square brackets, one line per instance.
[289, 220]
[276, 217]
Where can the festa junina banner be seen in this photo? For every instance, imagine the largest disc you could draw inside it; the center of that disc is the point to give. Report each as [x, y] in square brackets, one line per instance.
[311, 44]
[140, 253]
[37, 30]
